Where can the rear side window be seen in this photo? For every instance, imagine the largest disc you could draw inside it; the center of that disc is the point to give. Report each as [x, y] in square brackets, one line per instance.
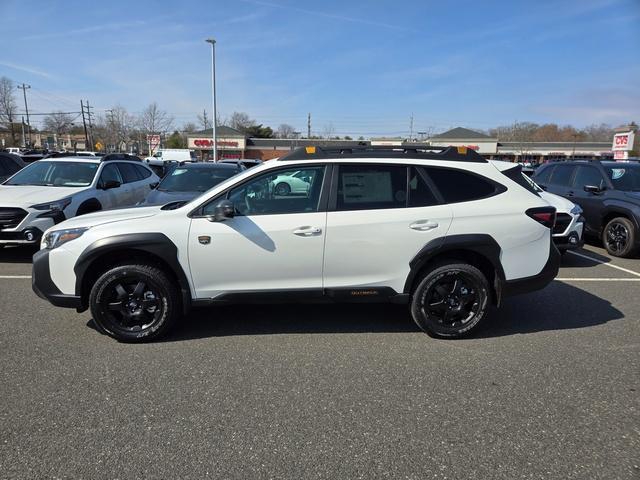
[370, 187]
[142, 172]
[420, 194]
[562, 175]
[543, 174]
[458, 186]
[129, 173]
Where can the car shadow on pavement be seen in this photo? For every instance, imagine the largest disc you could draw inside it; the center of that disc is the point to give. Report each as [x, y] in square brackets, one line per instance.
[19, 254]
[558, 307]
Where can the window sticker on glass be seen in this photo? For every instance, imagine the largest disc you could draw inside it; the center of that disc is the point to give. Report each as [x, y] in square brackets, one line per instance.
[617, 173]
[367, 187]
[179, 171]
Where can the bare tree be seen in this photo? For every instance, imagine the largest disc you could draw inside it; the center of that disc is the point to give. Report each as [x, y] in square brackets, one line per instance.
[117, 126]
[328, 131]
[285, 131]
[240, 121]
[58, 122]
[204, 121]
[189, 127]
[154, 121]
[8, 106]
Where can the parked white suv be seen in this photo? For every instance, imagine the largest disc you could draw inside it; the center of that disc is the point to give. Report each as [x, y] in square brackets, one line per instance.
[441, 230]
[47, 192]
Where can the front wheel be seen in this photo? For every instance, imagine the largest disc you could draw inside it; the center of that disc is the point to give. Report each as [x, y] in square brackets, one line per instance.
[282, 189]
[134, 303]
[451, 300]
[619, 237]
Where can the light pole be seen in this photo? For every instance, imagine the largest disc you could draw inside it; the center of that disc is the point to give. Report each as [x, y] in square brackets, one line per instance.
[213, 93]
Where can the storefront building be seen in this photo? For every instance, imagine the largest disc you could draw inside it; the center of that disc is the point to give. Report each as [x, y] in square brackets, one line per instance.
[231, 143]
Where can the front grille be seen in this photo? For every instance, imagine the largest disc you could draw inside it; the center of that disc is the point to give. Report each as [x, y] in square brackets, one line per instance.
[11, 217]
[562, 222]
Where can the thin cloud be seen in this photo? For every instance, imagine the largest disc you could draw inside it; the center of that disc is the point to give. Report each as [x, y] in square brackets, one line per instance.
[27, 69]
[329, 15]
[85, 30]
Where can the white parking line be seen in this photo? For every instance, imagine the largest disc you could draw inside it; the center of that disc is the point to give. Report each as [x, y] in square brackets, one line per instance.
[605, 263]
[14, 276]
[598, 279]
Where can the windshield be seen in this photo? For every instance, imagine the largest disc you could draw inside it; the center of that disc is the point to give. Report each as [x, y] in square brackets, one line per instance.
[56, 174]
[194, 179]
[625, 177]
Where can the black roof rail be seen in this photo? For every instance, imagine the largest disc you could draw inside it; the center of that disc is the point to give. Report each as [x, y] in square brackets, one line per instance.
[409, 151]
[119, 156]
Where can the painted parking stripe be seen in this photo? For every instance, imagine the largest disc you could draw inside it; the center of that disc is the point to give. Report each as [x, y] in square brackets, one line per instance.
[14, 276]
[605, 263]
[598, 279]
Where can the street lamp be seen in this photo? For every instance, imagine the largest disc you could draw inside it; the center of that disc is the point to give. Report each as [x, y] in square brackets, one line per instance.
[213, 94]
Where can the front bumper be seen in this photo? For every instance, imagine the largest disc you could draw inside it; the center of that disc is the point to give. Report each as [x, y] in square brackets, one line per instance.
[44, 287]
[535, 282]
[28, 236]
[571, 239]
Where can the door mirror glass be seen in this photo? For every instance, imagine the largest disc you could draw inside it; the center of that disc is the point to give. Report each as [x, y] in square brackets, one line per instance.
[223, 210]
[109, 184]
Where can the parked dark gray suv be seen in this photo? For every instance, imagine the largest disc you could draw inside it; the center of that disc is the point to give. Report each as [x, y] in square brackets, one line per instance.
[609, 194]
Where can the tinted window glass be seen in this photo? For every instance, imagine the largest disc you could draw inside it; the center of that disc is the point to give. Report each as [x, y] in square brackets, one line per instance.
[543, 174]
[625, 177]
[562, 175]
[110, 173]
[283, 191]
[458, 186]
[369, 187]
[142, 172]
[420, 195]
[520, 178]
[194, 179]
[587, 176]
[3, 168]
[10, 167]
[129, 173]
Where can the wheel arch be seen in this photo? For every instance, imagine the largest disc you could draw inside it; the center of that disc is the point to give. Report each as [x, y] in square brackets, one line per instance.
[479, 250]
[89, 203]
[618, 211]
[153, 248]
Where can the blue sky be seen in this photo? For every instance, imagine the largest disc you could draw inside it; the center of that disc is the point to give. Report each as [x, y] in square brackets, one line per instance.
[360, 67]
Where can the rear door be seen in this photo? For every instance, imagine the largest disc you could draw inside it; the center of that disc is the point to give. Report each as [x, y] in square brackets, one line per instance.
[380, 216]
[113, 197]
[130, 186]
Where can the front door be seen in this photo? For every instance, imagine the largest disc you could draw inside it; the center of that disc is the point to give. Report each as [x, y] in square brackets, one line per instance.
[274, 243]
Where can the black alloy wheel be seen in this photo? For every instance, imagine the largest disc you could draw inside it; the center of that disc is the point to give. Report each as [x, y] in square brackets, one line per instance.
[451, 300]
[619, 237]
[134, 303]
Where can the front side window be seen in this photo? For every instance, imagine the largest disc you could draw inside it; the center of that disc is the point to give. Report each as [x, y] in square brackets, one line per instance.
[588, 176]
[459, 186]
[277, 192]
[109, 174]
[56, 174]
[370, 187]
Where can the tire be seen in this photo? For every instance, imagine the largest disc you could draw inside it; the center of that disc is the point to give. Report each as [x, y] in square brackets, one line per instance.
[282, 189]
[458, 294]
[619, 237]
[134, 303]
[89, 206]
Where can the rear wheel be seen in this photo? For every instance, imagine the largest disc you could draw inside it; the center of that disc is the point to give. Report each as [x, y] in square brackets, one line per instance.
[451, 300]
[134, 303]
[619, 237]
[282, 189]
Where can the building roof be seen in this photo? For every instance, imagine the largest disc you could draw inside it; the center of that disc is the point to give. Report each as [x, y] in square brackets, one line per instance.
[460, 133]
[221, 131]
[605, 146]
[300, 142]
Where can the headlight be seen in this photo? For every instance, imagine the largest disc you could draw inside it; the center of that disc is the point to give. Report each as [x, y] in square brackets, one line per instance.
[56, 238]
[58, 205]
[576, 210]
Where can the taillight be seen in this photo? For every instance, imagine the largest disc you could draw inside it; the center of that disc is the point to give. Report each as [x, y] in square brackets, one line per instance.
[544, 215]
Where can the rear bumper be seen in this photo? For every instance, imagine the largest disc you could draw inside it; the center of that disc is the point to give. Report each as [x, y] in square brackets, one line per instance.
[44, 287]
[535, 282]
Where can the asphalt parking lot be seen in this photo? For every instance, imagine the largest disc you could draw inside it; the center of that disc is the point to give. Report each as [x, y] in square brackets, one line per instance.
[548, 389]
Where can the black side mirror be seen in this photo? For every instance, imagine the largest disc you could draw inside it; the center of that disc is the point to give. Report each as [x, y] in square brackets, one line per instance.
[592, 189]
[154, 185]
[222, 211]
[109, 184]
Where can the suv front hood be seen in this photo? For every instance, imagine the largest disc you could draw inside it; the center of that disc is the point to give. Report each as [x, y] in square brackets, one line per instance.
[108, 216]
[27, 195]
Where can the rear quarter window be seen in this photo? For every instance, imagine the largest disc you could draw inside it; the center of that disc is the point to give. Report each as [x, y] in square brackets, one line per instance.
[459, 186]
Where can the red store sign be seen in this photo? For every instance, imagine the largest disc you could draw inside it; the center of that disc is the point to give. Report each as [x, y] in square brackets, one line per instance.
[207, 143]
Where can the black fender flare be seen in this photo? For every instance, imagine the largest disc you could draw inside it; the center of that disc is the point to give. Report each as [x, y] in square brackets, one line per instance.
[89, 203]
[157, 244]
[479, 243]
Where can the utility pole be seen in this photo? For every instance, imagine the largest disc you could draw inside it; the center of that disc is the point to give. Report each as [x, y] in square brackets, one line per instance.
[411, 127]
[24, 142]
[89, 114]
[309, 125]
[24, 89]
[84, 124]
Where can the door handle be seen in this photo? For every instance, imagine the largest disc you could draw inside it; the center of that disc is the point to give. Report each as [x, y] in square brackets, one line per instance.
[423, 225]
[307, 231]
[570, 193]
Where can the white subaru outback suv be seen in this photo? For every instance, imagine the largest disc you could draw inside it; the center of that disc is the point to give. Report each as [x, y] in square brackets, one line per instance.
[441, 230]
[49, 191]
